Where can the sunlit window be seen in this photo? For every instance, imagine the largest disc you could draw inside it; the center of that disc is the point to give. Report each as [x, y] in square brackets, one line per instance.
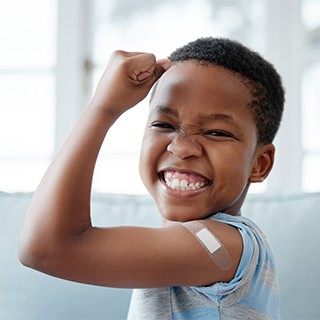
[65, 42]
[311, 128]
[27, 91]
[311, 98]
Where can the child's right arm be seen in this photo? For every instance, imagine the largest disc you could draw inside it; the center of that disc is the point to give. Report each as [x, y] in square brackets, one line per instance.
[58, 237]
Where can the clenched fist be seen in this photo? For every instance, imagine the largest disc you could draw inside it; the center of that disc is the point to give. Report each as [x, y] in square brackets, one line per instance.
[127, 80]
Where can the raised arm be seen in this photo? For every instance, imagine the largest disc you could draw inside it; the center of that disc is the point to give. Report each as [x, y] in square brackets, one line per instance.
[63, 197]
[58, 237]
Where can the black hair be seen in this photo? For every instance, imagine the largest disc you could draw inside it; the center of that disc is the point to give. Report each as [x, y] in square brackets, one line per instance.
[261, 77]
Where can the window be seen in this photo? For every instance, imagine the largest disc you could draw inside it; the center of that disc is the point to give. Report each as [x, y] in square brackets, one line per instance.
[27, 91]
[53, 53]
[311, 97]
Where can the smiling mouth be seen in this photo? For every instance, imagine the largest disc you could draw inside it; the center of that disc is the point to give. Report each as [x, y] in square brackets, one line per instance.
[182, 181]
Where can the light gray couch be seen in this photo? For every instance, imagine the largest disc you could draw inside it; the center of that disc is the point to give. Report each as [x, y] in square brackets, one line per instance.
[291, 222]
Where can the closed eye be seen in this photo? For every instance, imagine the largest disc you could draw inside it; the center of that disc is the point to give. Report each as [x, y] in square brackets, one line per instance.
[220, 134]
[162, 125]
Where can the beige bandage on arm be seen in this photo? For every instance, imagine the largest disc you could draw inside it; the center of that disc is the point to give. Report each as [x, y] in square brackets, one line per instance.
[216, 250]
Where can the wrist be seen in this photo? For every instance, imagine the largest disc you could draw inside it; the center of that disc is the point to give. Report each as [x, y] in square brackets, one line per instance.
[106, 113]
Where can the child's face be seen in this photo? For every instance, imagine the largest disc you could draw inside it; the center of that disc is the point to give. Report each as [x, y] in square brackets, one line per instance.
[199, 147]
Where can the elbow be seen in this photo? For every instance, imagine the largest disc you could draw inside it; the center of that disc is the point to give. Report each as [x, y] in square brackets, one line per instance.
[28, 256]
[43, 253]
[25, 258]
[32, 253]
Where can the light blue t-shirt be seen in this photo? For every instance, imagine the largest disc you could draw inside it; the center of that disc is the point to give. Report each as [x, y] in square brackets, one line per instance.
[252, 294]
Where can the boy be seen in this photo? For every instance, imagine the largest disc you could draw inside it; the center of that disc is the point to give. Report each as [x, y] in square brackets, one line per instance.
[213, 115]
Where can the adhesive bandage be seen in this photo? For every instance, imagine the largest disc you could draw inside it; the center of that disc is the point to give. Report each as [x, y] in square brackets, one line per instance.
[217, 252]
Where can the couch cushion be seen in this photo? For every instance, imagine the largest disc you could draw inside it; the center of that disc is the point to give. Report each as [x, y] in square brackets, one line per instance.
[291, 223]
[26, 294]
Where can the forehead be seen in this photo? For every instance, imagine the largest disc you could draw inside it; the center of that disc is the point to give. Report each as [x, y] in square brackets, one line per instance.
[201, 89]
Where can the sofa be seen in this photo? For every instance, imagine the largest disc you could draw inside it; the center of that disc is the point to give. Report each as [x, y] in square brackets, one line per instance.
[290, 221]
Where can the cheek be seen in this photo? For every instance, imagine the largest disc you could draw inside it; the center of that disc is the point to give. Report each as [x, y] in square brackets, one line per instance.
[148, 158]
[233, 163]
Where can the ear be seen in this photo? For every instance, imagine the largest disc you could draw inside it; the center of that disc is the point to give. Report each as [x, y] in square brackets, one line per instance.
[263, 163]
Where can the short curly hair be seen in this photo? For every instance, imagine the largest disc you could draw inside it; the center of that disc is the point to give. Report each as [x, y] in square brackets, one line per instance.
[263, 80]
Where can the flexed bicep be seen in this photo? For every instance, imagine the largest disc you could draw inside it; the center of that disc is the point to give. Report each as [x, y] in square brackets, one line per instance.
[136, 257]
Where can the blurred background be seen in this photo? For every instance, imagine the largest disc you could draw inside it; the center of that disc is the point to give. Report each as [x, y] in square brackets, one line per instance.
[52, 54]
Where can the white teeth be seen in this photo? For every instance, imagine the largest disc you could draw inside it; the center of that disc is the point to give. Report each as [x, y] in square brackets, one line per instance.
[175, 184]
[183, 185]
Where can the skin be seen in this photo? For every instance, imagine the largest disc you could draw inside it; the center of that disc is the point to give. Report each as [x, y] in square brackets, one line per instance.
[58, 237]
[199, 123]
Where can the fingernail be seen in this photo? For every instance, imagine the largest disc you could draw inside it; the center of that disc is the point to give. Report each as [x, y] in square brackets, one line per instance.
[166, 65]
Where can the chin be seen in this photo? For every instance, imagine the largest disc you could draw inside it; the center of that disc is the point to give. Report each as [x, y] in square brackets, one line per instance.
[182, 213]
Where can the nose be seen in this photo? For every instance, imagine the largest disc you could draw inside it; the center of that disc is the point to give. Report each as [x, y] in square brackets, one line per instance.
[184, 147]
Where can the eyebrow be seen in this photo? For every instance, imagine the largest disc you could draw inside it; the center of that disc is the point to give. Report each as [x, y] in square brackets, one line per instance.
[216, 117]
[166, 110]
[203, 118]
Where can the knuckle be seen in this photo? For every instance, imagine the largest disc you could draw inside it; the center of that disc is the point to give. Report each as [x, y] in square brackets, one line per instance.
[118, 55]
